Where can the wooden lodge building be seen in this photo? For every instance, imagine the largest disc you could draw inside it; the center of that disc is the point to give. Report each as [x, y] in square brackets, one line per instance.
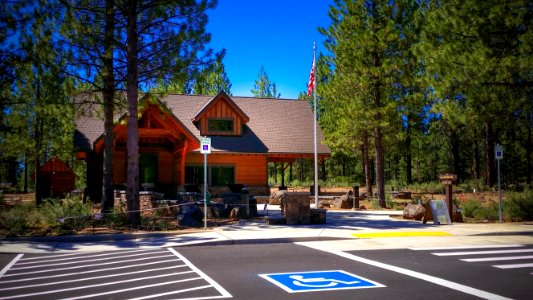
[246, 133]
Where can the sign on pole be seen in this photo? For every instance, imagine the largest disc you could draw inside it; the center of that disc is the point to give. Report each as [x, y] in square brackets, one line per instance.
[498, 153]
[205, 145]
[205, 148]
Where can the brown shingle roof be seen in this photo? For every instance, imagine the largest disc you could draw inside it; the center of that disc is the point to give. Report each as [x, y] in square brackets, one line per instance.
[275, 125]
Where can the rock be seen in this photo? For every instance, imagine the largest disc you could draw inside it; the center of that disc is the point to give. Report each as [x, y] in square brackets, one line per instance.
[276, 198]
[414, 212]
[190, 216]
[238, 212]
[402, 195]
[345, 201]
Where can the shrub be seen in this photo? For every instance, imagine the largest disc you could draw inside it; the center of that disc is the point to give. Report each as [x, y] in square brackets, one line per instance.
[67, 214]
[519, 206]
[21, 219]
[490, 213]
[470, 207]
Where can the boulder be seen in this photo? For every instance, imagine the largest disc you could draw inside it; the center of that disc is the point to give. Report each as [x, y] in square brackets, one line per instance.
[277, 197]
[190, 216]
[414, 212]
[345, 201]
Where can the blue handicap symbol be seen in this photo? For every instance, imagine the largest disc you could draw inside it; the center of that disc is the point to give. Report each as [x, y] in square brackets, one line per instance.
[319, 281]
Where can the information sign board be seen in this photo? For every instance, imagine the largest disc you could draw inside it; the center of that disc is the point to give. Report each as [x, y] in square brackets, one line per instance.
[440, 212]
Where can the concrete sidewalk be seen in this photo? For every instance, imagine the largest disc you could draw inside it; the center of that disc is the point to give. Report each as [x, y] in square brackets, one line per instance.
[376, 230]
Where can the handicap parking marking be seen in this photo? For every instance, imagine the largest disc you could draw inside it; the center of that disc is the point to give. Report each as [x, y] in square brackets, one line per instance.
[314, 281]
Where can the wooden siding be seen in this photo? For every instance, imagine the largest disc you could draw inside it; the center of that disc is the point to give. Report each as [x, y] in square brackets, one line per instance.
[165, 168]
[119, 167]
[221, 110]
[249, 169]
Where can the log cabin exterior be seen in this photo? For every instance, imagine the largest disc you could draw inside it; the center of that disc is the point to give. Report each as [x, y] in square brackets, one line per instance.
[246, 133]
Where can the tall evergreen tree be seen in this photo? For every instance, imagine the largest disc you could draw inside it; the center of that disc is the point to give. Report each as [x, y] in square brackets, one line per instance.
[365, 44]
[263, 87]
[160, 41]
[478, 57]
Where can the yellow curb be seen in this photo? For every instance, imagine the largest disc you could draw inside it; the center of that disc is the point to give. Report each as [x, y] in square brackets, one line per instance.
[372, 235]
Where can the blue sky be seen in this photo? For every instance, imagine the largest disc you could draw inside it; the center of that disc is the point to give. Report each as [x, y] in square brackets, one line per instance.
[275, 34]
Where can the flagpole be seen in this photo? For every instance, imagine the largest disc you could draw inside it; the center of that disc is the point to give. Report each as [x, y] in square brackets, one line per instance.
[314, 126]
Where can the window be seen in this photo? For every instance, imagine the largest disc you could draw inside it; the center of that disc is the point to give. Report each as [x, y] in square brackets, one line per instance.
[216, 175]
[148, 168]
[220, 125]
[222, 175]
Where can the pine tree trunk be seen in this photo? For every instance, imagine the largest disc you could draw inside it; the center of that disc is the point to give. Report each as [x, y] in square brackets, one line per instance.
[475, 160]
[26, 173]
[529, 145]
[290, 172]
[488, 150]
[380, 167]
[108, 95]
[408, 154]
[132, 190]
[366, 165]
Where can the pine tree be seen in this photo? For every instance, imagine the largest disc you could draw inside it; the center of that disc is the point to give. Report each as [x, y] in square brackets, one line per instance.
[365, 43]
[263, 87]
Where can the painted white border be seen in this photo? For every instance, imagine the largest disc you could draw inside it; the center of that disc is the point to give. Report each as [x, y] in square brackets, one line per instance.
[289, 290]
[439, 281]
[10, 264]
[217, 286]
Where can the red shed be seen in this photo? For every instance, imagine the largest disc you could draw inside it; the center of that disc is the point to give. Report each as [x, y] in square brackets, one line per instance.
[56, 179]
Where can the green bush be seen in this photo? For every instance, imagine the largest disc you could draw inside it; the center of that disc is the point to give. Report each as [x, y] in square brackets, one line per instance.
[67, 214]
[519, 206]
[21, 219]
[470, 207]
[490, 213]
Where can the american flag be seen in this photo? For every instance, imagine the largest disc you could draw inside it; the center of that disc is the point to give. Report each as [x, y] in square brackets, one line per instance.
[311, 84]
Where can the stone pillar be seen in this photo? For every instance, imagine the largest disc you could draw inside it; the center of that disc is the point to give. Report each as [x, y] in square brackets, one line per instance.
[297, 209]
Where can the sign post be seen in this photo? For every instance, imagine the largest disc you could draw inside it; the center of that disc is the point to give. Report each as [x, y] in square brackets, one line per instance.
[447, 180]
[498, 153]
[205, 148]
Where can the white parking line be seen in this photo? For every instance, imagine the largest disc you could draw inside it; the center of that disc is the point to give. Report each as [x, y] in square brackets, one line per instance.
[134, 288]
[86, 266]
[84, 272]
[217, 286]
[84, 279]
[78, 261]
[481, 252]
[463, 247]
[439, 281]
[10, 264]
[56, 257]
[100, 285]
[91, 257]
[514, 266]
[497, 258]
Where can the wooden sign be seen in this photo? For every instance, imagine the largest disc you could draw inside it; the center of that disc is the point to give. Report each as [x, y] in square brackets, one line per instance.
[438, 211]
[448, 178]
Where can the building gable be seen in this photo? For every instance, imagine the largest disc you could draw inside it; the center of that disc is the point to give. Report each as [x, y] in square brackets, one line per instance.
[220, 116]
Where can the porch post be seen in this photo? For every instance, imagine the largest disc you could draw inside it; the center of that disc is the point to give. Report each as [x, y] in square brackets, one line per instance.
[182, 166]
